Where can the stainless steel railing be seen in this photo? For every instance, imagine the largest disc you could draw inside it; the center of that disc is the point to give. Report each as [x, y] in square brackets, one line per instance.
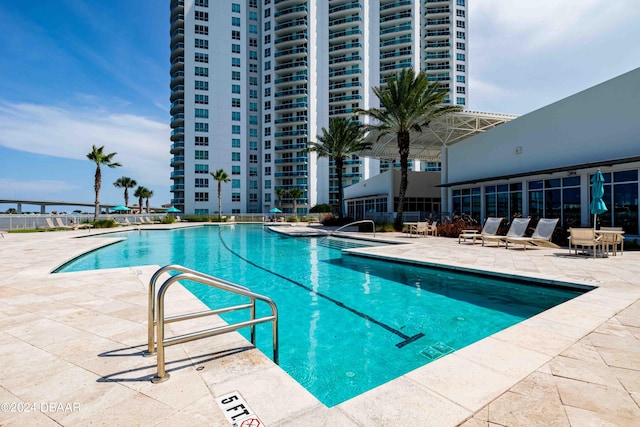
[362, 221]
[157, 320]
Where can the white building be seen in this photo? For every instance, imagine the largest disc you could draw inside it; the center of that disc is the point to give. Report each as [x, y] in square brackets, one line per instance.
[253, 81]
[540, 164]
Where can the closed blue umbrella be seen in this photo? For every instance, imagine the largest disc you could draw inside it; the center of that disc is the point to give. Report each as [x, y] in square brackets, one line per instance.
[597, 205]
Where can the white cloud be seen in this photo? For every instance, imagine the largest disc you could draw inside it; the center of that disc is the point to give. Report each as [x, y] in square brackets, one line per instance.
[141, 144]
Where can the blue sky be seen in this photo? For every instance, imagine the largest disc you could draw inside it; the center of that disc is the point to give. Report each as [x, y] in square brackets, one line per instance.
[76, 73]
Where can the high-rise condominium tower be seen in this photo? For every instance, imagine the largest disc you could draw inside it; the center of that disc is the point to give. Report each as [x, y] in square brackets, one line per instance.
[252, 81]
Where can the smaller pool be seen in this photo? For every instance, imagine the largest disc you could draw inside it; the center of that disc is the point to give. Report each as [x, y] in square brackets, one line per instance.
[347, 323]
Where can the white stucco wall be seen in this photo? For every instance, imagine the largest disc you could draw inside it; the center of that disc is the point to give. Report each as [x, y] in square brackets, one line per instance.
[600, 123]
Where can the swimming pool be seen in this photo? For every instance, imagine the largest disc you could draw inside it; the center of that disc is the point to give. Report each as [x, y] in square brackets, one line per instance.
[347, 324]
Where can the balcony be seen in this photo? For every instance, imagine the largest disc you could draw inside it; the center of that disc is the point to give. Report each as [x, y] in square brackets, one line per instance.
[292, 12]
[292, 106]
[292, 160]
[352, 58]
[347, 33]
[297, 119]
[400, 40]
[344, 7]
[438, 33]
[344, 22]
[397, 16]
[177, 120]
[293, 66]
[345, 46]
[345, 72]
[177, 134]
[395, 5]
[177, 173]
[177, 92]
[177, 187]
[289, 79]
[291, 38]
[291, 133]
[287, 25]
[298, 51]
[179, 201]
[177, 147]
[344, 85]
[176, 161]
[346, 98]
[290, 147]
[438, 11]
[177, 107]
[396, 29]
[291, 174]
[291, 92]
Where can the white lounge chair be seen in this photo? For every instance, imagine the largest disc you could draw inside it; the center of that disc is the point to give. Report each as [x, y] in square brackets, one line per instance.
[50, 224]
[490, 228]
[541, 235]
[60, 224]
[585, 238]
[517, 229]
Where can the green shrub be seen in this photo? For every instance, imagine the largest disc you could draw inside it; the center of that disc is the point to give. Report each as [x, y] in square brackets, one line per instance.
[104, 223]
[321, 208]
[292, 219]
[168, 220]
[385, 227]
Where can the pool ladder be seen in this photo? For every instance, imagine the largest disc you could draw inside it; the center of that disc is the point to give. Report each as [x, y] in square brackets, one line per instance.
[157, 319]
[362, 221]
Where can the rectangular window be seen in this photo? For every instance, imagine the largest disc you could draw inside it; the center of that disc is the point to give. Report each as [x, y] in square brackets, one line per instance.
[235, 197]
[460, 101]
[460, 24]
[253, 68]
[460, 13]
[460, 57]
[267, 171]
[267, 79]
[253, 94]
[235, 21]
[267, 184]
[202, 3]
[235, 35]
[460, 79]
[202, 182]
[253, 120]
[460, 2]
[201, 57]
[460, 67]
[253, 42]
[235, 170]
[267, 52]
[253, 172]
[235, 183]
[202, 113]
[202, 29]
[235, 102]
[460, 89]
[267, 26]
[202, 141]
[235, 143]
[235, 7]
[235, 130]
[235, 89]
[202, 196]
[253, 145]
[253, 55]
[235, 116]
[201, 155]
[253, 184]
[267, 39]
[253, 106]
[253, 133]
[235, 48]
[202, 44]
[202, 85]
[253, 81]
[201, 168]
[201, 16]
[267, 198]
[253, 29]
[253, 158]
[201, 127]
[460, 35]
[267, 65]
[235, 75]
[253, 16]
[267, 158]
[461, 46]
[235, 157]
[202, 71]
[235, 62]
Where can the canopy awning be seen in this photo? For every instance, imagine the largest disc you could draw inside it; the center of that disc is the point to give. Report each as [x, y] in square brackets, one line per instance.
[443, 131]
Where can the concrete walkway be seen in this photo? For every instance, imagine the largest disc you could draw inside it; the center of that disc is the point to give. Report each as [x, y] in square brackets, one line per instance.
[71, 345]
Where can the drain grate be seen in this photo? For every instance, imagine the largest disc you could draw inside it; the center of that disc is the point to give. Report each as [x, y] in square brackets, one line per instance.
[436, 350]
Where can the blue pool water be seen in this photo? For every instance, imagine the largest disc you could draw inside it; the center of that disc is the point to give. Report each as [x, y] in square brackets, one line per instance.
[347, 324]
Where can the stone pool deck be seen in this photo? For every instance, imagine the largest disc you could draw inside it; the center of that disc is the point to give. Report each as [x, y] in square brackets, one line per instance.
[71, 345]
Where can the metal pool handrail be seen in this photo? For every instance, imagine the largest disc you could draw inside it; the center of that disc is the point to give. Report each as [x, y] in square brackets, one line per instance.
[152, 320]
[209, 281]
[362, 221]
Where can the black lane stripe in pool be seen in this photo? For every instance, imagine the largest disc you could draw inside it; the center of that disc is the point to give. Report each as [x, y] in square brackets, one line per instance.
[407, 339]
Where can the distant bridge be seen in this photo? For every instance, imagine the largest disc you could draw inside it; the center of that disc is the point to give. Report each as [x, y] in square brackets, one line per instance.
[44, 203]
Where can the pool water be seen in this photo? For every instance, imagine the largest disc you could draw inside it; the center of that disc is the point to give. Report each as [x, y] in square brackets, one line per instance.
[347, 324]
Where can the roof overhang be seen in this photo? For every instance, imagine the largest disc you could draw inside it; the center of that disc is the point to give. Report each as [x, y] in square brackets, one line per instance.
[443, 131]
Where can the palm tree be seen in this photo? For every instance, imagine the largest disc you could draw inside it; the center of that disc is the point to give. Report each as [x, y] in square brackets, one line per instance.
[281, 193]
[221, 176]
[408, 103]
[345, 136]
[126, 183]
[98, 156]
[140, 193]
[295, 194]
[147, 195]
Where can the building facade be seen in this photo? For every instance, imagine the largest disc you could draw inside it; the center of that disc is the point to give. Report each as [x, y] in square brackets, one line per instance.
[253, 81]
[541, 164]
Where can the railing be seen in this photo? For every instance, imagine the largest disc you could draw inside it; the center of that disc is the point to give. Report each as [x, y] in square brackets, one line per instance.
[362, 221]
[156, 318]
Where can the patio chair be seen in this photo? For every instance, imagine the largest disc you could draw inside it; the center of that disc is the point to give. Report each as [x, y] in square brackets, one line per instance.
[585, 238]
[60, 224]
[419, 228]
[432, 229]
[541, 235]
[517, 229]
[612, 240]
[490, 228]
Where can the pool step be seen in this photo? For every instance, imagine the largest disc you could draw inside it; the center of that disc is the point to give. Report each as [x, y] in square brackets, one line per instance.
[333, 243]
